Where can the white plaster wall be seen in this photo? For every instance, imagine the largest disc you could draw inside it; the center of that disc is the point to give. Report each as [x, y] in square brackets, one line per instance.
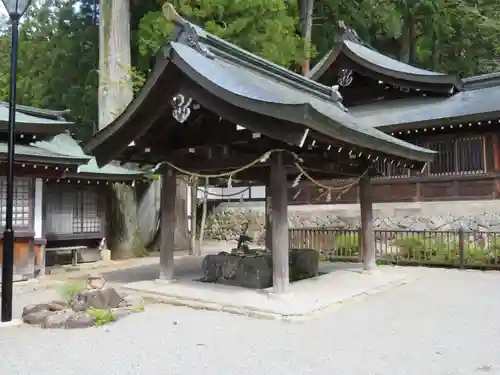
[233, 193]
[38, 209]
[396, 209]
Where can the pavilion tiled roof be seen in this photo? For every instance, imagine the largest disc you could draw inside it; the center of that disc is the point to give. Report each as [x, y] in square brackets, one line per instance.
[65, 146]
[60, 149]
[366, 57]
[254, 84]
[474, 100]
[414, 113]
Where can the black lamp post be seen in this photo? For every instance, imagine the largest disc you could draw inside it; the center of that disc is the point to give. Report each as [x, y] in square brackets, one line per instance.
[16, 9]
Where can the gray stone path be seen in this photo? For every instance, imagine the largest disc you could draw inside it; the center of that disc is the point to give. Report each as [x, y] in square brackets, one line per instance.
[448, 322]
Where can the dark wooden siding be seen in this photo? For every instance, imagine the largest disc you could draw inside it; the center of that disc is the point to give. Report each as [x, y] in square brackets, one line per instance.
[462, 170]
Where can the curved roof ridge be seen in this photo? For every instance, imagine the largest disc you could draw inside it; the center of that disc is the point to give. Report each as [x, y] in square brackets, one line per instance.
[472, 105]
[369, 54]
[351, 45]
[40, 112]
[221, 47]
[481, 81]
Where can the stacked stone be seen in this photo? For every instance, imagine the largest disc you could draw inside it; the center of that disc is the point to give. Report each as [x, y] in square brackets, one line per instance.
[255, 270]
[75, 312]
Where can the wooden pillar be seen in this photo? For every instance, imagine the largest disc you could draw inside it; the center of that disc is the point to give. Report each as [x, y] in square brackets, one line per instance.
[367, 236]
[495, 153]
[278, 203]
[268, 214]
[193, 200]
[495, 143]
[167, 242]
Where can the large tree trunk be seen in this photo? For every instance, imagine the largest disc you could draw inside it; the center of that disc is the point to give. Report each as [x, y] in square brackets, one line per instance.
[413, 38]
[115, 93]
[408, 52]
[404, 55]
[306, 19]
[435, 51]
[115, 79]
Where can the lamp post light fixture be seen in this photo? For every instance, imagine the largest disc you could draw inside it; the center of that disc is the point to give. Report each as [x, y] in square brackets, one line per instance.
[15, 9]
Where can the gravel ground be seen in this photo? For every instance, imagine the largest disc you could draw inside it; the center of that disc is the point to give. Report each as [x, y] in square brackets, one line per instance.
[448, 322]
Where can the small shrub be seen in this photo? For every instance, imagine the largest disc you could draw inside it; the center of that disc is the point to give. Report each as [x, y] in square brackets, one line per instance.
[495, 244]
[494, 249]
[476, 254]
[346, 245]
[444, 250]
[102, 316]
[411, 247]
[69, 290]
[436, 249]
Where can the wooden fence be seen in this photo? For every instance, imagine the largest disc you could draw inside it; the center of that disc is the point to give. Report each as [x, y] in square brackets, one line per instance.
[461, 249]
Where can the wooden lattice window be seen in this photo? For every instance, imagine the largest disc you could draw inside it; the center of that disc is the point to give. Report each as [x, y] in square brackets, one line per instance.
[22, 204]
[388, 170]
[471, 154]
[460, 155]
[72, 210]
[86, 217]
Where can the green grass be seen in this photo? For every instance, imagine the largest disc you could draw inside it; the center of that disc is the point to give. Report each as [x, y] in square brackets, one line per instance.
[69, 290]
[346, 245]
[102, 316]
[444, 250]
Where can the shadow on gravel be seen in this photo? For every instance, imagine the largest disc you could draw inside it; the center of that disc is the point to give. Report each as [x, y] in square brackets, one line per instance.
[185, 268]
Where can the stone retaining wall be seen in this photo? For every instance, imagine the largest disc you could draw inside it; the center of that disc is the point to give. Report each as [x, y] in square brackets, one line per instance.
[484, 216]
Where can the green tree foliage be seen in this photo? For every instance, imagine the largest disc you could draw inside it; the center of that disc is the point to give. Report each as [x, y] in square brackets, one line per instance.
[455, 36]
[265, 27]
[58, 55]
[58, 66]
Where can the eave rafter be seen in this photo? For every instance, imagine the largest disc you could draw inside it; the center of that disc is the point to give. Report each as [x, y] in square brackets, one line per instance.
[235, 161]
[38, 169]
[230, 148]
[209, 131]
[431, 128]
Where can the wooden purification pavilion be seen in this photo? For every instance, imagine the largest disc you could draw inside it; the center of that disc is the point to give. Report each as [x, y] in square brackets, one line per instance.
[211, 107]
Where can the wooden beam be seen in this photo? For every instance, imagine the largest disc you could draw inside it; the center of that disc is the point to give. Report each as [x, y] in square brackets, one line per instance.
[259, 174]
[367, 236]
[138, 118]
[207, 134]
[284, 131]
[216, 161]
[167, 243]
[279, 224]
[196, 163]
[319, 156]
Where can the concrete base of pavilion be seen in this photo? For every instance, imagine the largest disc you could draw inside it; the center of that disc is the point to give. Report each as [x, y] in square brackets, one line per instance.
[338, 284]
